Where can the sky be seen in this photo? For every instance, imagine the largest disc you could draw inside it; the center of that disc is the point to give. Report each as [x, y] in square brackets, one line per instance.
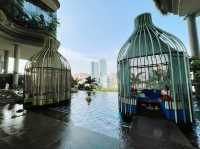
[93, 29]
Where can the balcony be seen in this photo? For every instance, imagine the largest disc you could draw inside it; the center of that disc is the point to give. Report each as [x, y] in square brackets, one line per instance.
[26, 16]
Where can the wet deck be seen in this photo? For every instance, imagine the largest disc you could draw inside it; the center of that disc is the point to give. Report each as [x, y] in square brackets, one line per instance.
[51, 129]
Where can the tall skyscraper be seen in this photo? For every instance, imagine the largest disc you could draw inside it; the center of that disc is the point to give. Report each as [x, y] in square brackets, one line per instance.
[103, 67]
[103, 73]
[99, 72]
[95, 70]
[112, 81]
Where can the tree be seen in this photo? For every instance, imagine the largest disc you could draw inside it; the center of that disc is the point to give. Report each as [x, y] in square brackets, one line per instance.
[90, 83]
[90, 80]
[74, 82]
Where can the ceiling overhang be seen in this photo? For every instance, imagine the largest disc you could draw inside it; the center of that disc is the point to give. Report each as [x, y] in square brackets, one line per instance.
[179, 7]
[26, 50]
[52, 4]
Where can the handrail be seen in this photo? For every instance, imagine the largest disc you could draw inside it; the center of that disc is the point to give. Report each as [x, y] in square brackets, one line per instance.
[34, 36]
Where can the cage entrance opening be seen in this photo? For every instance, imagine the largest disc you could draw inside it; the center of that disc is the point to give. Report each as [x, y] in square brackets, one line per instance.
[153, 68]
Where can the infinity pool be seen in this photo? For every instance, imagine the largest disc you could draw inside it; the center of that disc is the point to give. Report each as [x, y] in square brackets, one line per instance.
[99, 114]
[91, 123]
[194, 132]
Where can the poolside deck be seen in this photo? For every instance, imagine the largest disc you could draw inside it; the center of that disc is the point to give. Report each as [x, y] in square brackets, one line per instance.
[26, 129]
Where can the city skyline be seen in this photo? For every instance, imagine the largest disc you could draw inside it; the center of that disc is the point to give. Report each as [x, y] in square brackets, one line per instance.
[99, 74]
[99, 28]
[94, 69]
[81, 44]
[99, 71]
[103, 74]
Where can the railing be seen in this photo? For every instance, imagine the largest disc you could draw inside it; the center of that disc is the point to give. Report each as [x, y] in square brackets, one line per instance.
[28, 15]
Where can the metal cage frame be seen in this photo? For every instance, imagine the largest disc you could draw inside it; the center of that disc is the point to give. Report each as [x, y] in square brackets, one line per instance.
[152, 60]
[47, 77]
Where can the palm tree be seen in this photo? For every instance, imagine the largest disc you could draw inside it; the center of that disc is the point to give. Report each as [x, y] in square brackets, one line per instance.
[90, 83]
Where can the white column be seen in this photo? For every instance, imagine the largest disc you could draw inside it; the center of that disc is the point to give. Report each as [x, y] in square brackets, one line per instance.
[16, 66]
[6, 60]
[1, 63]
[193, 35]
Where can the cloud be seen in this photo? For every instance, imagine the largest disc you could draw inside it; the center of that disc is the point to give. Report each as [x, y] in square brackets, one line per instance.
[79, 61]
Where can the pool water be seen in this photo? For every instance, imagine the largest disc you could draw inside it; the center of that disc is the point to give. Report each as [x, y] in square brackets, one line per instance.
[193, 132]
[100, 114]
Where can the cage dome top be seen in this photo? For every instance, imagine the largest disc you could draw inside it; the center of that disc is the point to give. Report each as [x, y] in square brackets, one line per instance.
[148, 40]
[49, 57]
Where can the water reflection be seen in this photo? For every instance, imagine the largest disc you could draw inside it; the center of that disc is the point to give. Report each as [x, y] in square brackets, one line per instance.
[196, 125]
[193, 131]
[101, 115]
[88, 98]
[12, 120]
[97, 112]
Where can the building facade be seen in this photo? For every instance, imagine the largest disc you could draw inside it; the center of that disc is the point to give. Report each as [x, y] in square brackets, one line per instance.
[24, 25]
[190, 9]
[99, 72]
[112, 81]
[95, 71]
[103, 74]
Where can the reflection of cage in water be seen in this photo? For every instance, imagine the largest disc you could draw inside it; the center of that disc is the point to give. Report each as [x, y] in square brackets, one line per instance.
[153, 66]
[47, 77]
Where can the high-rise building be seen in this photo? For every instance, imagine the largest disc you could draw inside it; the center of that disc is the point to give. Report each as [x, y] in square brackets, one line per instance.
[112, 81]
[103, 73]
[99, 72]
[103, 67]
[95, 70]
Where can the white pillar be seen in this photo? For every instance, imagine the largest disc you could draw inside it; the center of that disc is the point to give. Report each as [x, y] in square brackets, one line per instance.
[1, 63]
[6, 60]
[16, 65]
[194, 42]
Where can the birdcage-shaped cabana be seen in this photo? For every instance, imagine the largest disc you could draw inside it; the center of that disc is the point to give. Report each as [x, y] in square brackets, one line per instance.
[153, 68]
[47, 77]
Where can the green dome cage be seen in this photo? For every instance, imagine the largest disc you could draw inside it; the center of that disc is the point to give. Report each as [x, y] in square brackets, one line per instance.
[153, 69]
[47, 77]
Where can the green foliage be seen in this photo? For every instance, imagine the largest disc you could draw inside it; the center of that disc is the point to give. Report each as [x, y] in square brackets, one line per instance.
[15, 12]
[157, 79]
[89, 85]
[74, 83]
[90, 80]
[195, 65]
[52, 26]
